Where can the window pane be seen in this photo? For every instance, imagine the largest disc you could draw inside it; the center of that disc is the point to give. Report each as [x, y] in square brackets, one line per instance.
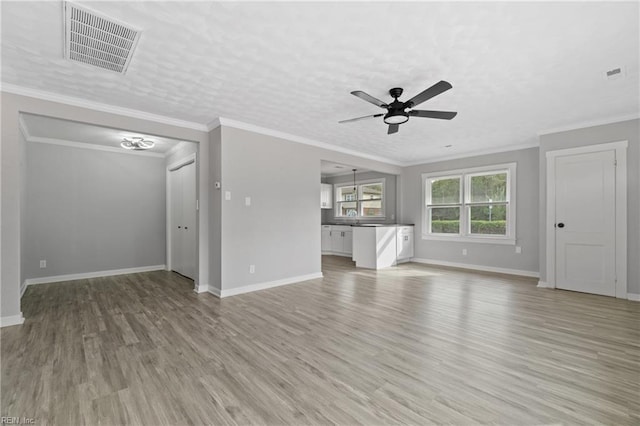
[372, 208]
[346, 193]
[445, 191]
[488, 188]
[445, 220]
[349, 209]
[488, 220]
[372, 191]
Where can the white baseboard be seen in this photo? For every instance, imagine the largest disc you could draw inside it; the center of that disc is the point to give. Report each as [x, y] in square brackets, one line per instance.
[23, 288]
[519, 272]
[202, 288]
[544, 284]
[634, 297]
[270, 284]
[214, 291]
[85, 275]
[12, 320]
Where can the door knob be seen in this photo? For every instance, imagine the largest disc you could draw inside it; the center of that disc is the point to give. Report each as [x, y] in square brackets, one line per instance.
[186, 227]
[179, 227]
[561, 225]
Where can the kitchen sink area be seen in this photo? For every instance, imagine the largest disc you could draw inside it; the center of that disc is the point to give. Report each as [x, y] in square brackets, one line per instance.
[358, 214]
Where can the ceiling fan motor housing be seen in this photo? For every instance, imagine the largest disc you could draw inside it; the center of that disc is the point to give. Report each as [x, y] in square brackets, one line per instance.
[396, 114]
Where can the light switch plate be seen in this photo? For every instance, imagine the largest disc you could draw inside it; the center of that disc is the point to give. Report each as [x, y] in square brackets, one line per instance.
[247, 201]
[227, 195]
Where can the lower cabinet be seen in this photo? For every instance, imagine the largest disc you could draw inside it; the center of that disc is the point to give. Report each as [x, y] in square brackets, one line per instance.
[326, 238]
[404, 242]
[337, 240]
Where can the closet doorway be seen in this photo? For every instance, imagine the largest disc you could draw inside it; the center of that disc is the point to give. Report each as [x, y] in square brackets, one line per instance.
[182, 217]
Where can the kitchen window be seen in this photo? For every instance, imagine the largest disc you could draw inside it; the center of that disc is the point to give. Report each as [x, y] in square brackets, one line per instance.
[470, 205]
[365, 200]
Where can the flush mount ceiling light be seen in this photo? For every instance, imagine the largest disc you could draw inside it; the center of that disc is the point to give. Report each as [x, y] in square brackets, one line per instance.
[137, 143]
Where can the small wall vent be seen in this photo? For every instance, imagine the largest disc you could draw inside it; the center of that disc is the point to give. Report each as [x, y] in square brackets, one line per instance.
[98, 40]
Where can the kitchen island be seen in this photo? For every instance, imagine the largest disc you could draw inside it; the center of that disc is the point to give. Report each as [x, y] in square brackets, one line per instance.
[377, 246]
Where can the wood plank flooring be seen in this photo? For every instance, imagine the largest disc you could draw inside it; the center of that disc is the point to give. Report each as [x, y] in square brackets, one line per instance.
[408, 345]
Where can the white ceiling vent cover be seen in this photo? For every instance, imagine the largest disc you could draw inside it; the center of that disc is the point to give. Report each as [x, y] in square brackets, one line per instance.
[98, 40]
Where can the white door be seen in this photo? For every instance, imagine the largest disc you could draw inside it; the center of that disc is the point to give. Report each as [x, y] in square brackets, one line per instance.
[183, 220]
[585, 222]
[337, 244]
[326, 238]
[347, 246]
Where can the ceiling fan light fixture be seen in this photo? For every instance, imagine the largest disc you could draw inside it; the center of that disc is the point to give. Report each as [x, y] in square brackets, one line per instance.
[398, 117]
[136, 143]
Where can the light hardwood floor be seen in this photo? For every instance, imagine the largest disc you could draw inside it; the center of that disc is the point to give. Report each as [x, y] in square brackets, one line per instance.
[407, 345]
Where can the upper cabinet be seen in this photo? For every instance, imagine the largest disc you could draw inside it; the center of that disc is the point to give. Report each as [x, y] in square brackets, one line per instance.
[326, 196]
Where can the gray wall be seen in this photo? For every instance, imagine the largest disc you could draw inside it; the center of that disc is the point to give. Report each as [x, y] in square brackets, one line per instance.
[12, 188]
[389, 197]
[626, 130]
[215, 210]
[483, 254]
[280, 232]
[89, 210]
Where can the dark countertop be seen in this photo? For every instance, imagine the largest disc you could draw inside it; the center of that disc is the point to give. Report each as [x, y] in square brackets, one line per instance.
[369, 225]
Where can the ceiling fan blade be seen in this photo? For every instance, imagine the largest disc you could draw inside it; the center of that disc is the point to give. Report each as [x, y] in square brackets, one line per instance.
[361, 118]
[443, 115]
[369, 98]
[393, 128]
[435, 90]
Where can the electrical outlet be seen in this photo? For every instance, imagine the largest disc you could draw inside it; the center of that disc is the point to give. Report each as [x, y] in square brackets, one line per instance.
[464, 252]
[227, 195]
[43, 264]
[518, 249]
[247, 201]
[252, 269]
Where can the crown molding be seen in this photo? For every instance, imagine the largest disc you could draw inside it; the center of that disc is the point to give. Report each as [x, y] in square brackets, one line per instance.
[476, 153]
[82, 145]
[221, 121]
[98, 106]
[589, 123]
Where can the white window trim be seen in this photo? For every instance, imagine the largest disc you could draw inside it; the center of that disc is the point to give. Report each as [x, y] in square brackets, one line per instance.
[359, 200]
[465, 175]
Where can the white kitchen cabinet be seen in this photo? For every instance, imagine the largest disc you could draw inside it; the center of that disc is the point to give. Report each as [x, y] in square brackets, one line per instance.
[326, 198]
[326, 238]
[347, 242]
[339, 241]
[381, 246]
[404, 243]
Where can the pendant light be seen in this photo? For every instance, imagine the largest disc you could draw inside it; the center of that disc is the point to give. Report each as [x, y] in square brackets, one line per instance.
[355, 188]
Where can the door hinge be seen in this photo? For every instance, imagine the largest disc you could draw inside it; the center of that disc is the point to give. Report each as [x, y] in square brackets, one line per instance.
[615, 162]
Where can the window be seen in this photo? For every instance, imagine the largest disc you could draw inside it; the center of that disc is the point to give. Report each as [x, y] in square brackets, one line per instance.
[471, 205]
[366, 200]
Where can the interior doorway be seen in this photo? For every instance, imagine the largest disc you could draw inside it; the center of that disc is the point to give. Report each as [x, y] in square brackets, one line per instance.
[586, 219]
[182, 216]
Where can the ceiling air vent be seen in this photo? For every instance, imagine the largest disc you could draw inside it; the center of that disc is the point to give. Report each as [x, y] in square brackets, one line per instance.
[98, 40]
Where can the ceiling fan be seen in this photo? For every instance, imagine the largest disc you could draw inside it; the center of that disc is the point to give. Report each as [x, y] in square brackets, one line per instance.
[396, 110]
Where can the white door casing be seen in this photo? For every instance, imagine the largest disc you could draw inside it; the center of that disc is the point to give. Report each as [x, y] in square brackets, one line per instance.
[586, 219]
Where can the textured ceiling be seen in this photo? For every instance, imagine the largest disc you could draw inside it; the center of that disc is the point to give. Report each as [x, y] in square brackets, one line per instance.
[517, 68]
[52, 128]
